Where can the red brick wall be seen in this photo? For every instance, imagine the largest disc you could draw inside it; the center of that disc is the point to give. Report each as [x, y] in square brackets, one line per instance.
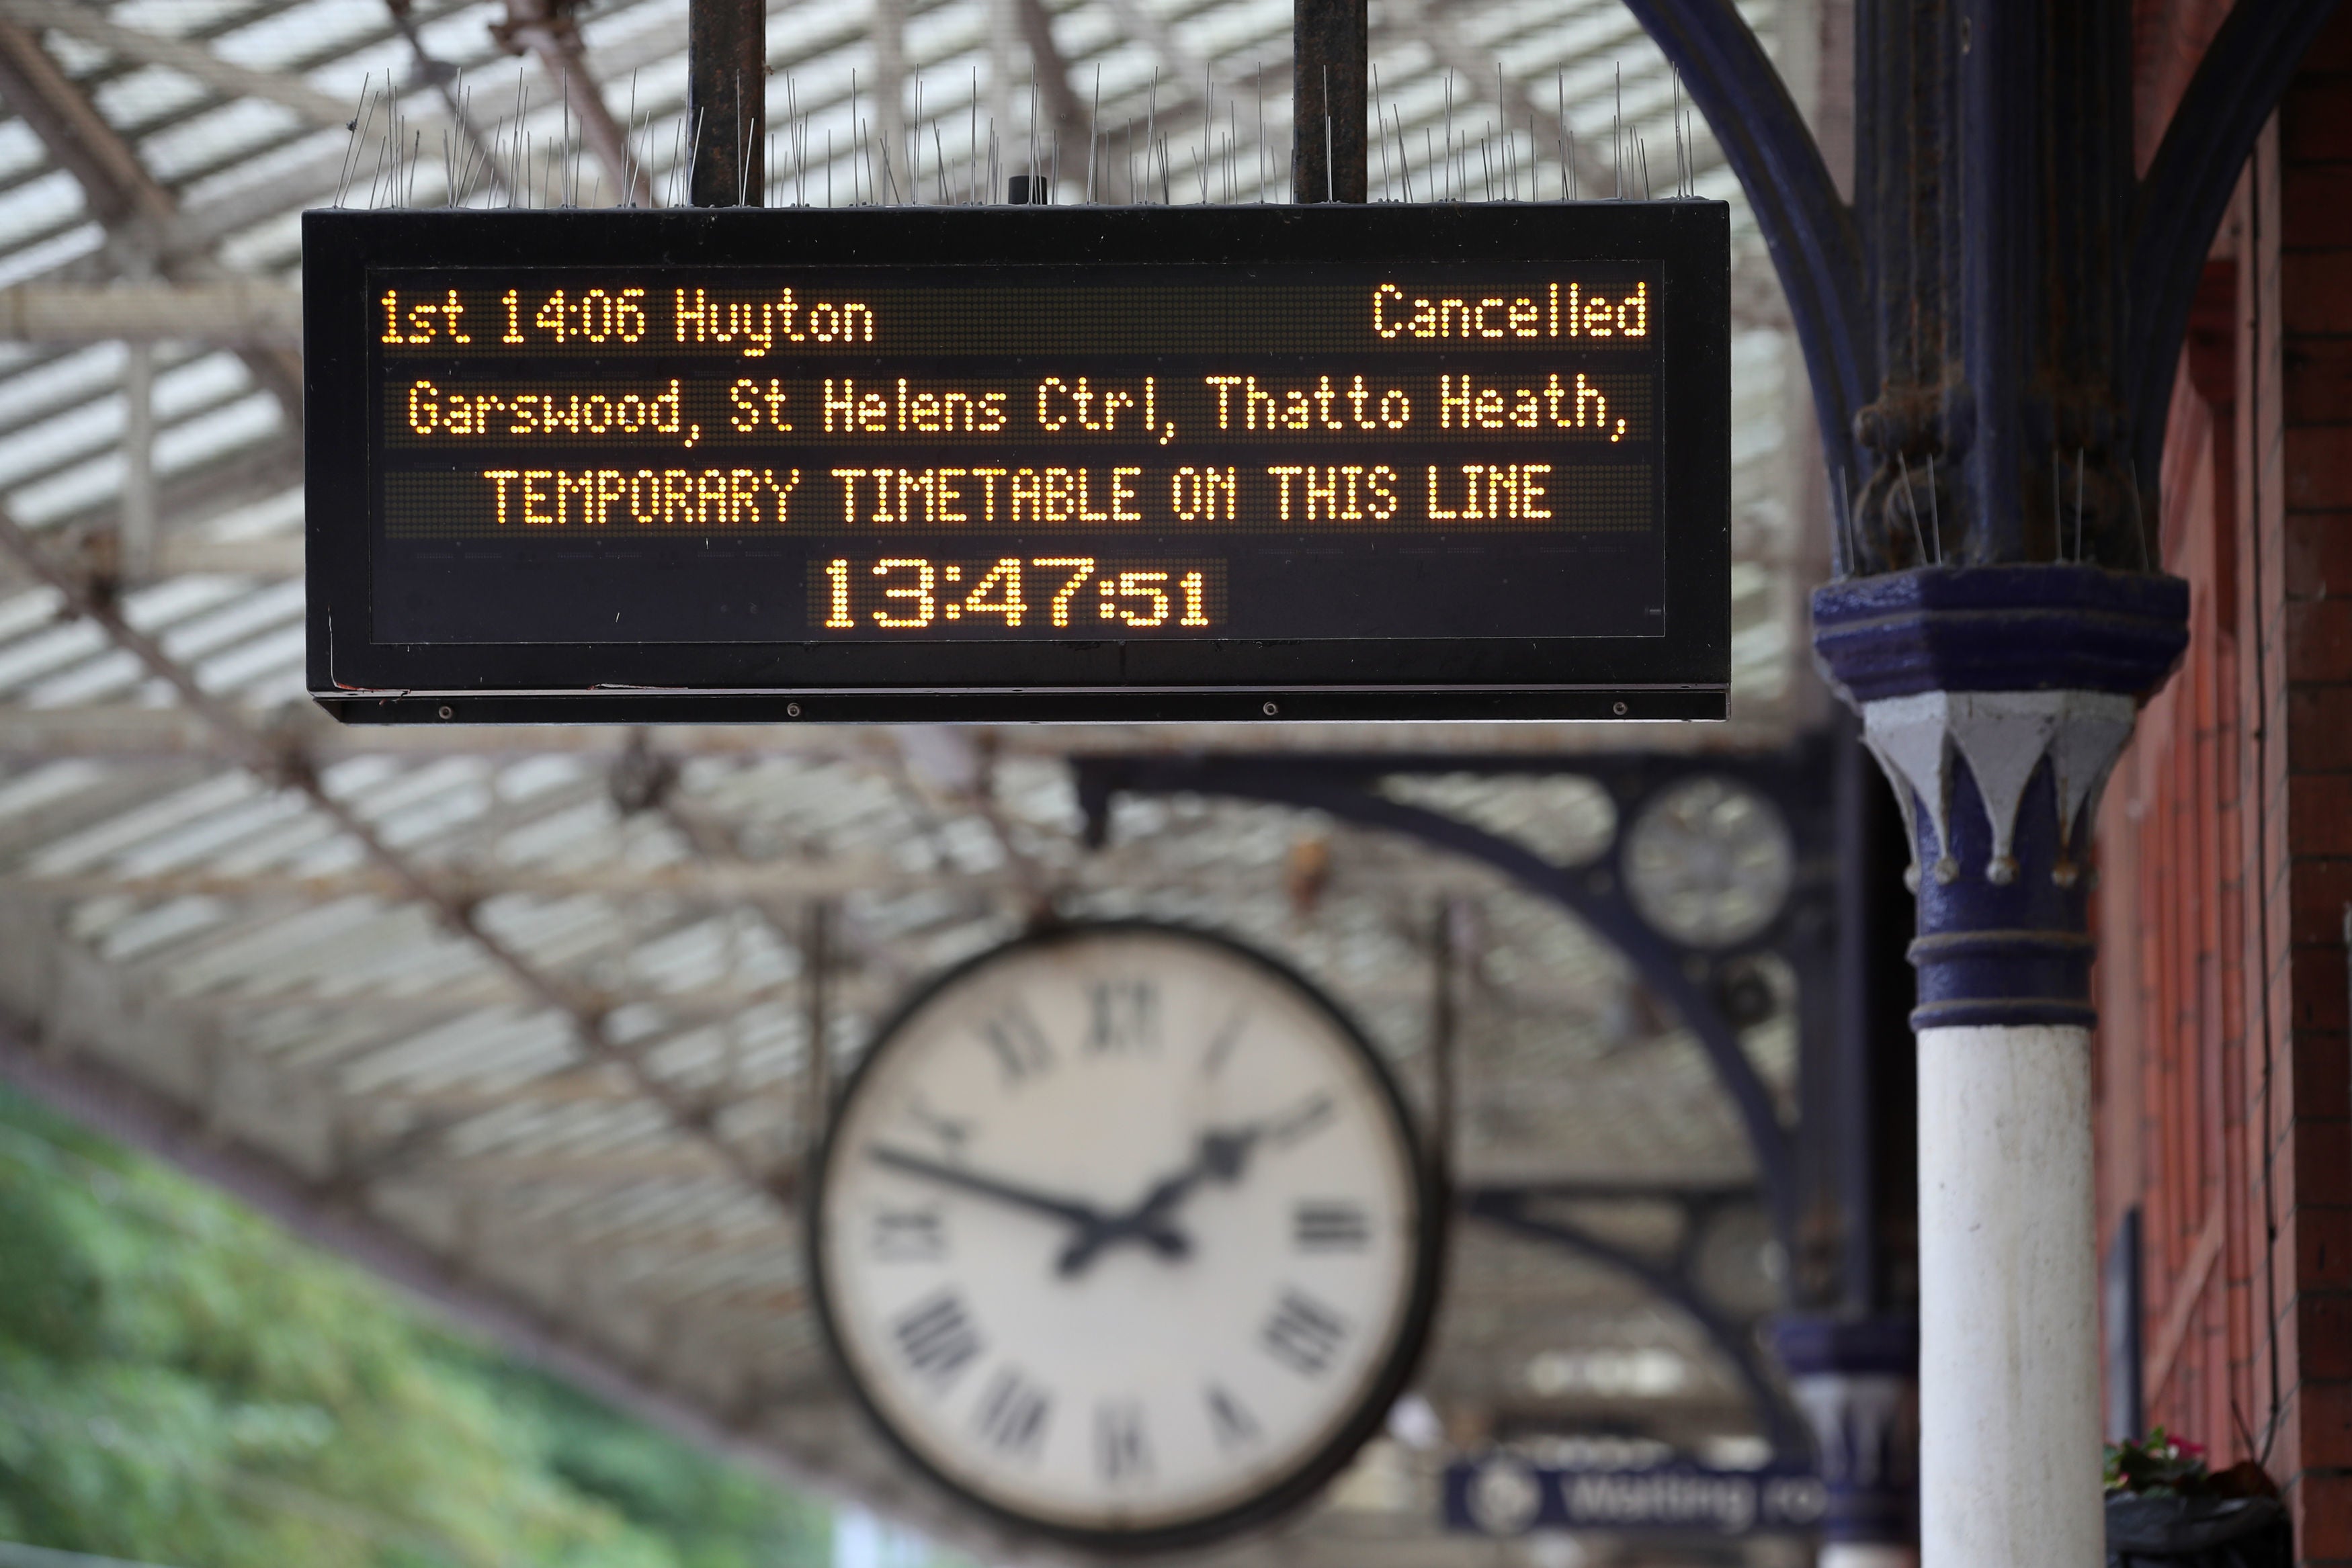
[2225, 1106]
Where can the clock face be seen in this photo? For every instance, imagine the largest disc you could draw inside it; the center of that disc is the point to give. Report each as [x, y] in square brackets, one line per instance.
[1121, 1232]
[1709, 863]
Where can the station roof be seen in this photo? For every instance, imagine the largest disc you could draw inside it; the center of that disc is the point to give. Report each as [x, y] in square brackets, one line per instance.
[526, 1018]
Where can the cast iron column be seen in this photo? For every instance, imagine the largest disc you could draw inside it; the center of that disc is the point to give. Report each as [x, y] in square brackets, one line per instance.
[1330, 55]
[1997, 628]
[1853, 1361]
[726, 100]
[1992, 329]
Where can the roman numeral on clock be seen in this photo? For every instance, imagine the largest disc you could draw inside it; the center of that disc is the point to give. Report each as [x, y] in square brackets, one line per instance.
[937, 1337]
[1303, 1333]
[1317, 1226]
[1121, 1453]
[1020, 1045]
[1124, 1014]
[1229, 1418]
[1012, 1414]
[908, 1236]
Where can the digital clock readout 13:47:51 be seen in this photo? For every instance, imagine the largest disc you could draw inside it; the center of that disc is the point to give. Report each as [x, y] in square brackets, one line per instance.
[1082, 593]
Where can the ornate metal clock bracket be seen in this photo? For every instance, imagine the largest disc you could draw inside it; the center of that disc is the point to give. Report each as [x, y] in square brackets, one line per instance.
[1346, 788]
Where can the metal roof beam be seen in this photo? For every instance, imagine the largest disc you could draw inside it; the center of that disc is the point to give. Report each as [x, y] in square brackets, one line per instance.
[227, 78]
[237, 313]
[132, 734]
[122, 194]
[277, 760]
[548, 29]
[138, 213]
[710, 884]
[1432, 22]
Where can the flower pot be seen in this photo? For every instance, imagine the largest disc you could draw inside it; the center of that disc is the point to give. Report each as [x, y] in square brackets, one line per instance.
[2198, 1532]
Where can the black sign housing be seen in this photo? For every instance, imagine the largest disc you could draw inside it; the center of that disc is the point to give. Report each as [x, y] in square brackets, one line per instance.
[1020, 463]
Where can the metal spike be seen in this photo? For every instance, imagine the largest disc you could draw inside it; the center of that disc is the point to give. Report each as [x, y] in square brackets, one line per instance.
[694, 154]
[1330, 174]
[1456, 182]
[351, 138]
[1935, 509]
[1559, 130]
[1233, 146]
[1847, 531]
[1617, 135]
[1911, 506]
[2058, 514]
[1208, 128]
[2082, 470]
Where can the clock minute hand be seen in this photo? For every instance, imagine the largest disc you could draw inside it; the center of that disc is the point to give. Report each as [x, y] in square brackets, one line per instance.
[1070, 1210]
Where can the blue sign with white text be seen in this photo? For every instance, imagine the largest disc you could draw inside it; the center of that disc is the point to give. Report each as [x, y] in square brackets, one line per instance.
[1504, 1494]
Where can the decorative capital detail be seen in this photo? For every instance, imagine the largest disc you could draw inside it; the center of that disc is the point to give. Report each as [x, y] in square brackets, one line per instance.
[2002, 736]
[2000, 629]
[1857, 1382]
[1998, 698]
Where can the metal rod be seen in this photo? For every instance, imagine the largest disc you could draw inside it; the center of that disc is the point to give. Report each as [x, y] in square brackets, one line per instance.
[727, 76]
[1330, 55]
[137, 536]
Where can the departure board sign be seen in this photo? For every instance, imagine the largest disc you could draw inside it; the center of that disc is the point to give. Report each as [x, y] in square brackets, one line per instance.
[1004, 463]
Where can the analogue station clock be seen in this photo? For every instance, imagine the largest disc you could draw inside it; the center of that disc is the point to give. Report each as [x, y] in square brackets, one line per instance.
[1122, 1233]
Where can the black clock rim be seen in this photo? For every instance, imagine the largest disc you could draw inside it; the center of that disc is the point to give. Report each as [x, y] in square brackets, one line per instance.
[1293, 1487]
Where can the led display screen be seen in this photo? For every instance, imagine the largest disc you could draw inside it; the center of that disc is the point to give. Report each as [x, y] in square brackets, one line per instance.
[990, 462]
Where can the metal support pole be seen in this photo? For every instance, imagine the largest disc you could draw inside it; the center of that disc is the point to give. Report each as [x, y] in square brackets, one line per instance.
[1330, 58]
[889, 29]
[1853, 1358]
[726, 100]
[1878, 1105]
[138, 523]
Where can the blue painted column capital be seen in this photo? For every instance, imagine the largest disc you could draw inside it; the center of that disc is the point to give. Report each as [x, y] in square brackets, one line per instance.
[1996, 698]
[1857, 1381]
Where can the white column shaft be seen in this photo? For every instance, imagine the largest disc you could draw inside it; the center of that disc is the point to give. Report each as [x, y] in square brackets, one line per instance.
[2008, 1377]
[1860, 1554]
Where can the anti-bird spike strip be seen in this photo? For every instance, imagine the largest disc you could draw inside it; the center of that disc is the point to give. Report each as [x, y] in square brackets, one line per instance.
[508, 162]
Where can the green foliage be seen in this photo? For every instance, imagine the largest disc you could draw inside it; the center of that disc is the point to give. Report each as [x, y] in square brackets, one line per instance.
[2158, 1465]
[182, 1383]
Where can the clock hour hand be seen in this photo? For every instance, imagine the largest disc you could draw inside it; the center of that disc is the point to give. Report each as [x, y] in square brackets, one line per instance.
[1082, 1215]
[1221, 1155]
